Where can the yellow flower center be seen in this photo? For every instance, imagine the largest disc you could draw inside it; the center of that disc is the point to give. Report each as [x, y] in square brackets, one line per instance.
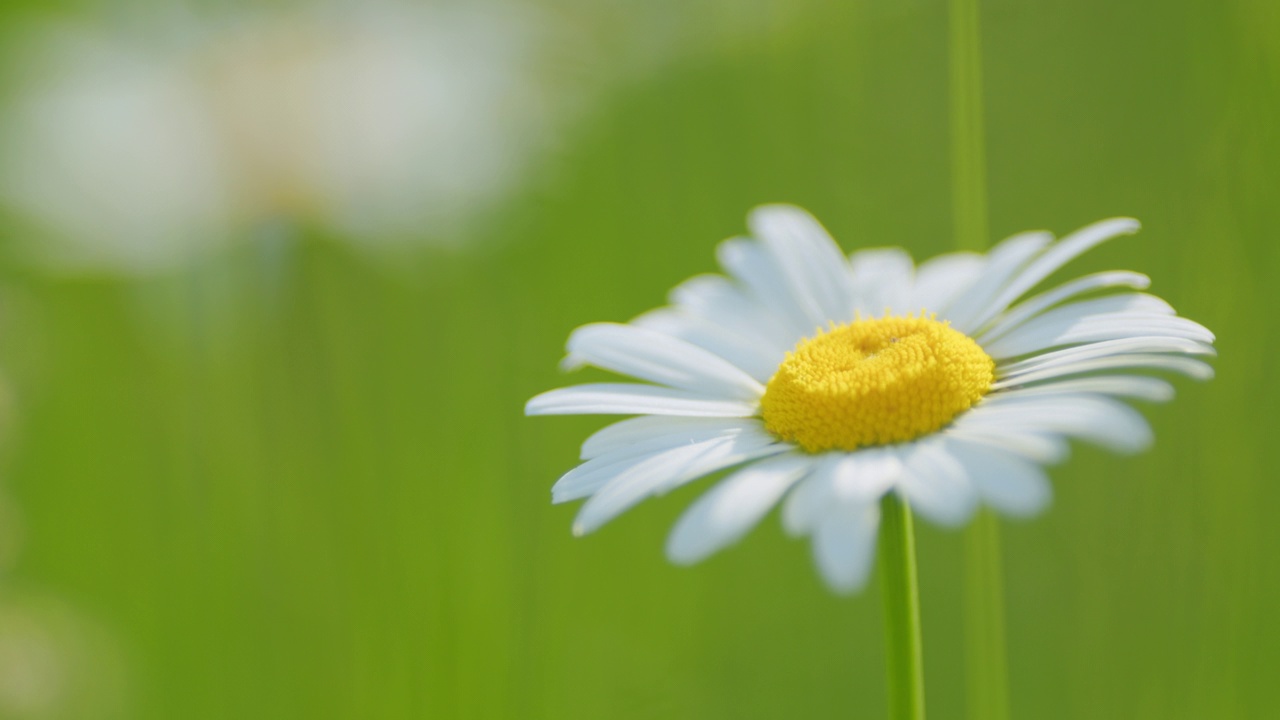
[875, 381]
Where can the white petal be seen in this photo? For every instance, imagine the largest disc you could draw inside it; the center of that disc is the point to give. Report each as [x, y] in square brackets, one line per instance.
[1008, 483]
[844, 544]
[753, 266]
[935, 483]
[1106, 348]
[804, 504]
[653, 356]
[941, 279]
[1135, 302]
[668, 470]
[861, 476]
[1026, 310]
[1099, 420]
[1003, 263]
[1138, 387]
[589, 477]
[634, 399]
[1050, 331]
[1120, 302]
[865, 475]
[754, 357]
[882, 281]
[1053, 258]
[1037, 447]
[720, 301]
[1190, 367]
[642, 432]
[728, 511]
[816, 271]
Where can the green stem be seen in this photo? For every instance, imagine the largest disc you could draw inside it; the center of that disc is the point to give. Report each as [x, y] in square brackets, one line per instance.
[987, 664]
[903, 653]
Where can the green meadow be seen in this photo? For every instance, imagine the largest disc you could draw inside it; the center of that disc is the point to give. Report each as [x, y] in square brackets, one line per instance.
[293, 479]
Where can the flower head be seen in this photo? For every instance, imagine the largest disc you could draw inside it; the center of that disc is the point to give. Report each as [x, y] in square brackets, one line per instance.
[824, 381]
[386, 122]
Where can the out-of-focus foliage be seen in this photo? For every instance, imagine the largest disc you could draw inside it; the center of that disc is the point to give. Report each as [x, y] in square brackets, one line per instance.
[281, 479]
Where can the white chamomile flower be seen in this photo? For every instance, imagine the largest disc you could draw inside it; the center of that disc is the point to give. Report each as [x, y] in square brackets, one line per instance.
[825, 382]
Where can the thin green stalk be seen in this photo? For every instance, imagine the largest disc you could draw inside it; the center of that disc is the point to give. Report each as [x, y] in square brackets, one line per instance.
[968, 145]
[903, 653]
[987, 670]
[987, 664]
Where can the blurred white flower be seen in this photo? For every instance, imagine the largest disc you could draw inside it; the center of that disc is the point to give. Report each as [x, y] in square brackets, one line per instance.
[379, 122]
[55, 663]
[379, 119]
[111, 150]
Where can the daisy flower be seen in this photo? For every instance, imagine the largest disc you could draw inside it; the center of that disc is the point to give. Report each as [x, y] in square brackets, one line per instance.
[823, 381]
[372, 119]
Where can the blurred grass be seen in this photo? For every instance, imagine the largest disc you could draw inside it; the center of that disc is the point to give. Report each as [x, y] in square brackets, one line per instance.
[305, 489]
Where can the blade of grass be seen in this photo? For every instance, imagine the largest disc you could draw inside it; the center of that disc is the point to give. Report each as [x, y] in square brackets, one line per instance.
[986, 660]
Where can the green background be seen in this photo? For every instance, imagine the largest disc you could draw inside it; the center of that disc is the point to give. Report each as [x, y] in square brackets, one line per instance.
[305, 488]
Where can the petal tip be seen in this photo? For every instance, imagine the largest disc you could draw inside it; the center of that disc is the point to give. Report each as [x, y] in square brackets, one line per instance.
[844, 586]
[683, 556]
[1121, 225]
[536, 405]
[765, 210]
[572, 362]
[1139, 443]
